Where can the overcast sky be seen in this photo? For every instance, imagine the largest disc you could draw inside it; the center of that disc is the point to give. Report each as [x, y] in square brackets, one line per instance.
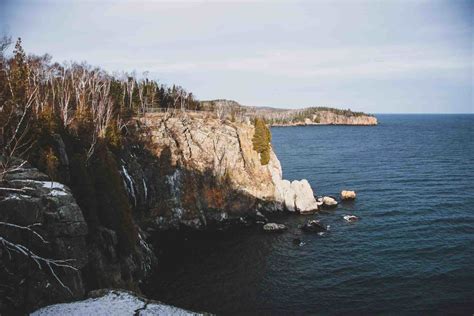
[373, 56]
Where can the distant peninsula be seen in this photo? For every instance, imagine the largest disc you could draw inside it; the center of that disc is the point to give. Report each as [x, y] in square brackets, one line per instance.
[291, 117]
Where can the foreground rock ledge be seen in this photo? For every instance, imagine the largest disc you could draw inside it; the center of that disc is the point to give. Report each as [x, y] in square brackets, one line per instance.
[112, 302]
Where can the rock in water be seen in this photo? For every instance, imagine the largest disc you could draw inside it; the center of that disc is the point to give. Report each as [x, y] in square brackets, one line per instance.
[348, 195]
[298, 242]
[313, 226]
[274, 227]
[304, 198]
[350, 218]
[329, 202]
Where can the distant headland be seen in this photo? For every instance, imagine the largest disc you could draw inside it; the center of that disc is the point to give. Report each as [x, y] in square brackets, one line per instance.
[291, 117]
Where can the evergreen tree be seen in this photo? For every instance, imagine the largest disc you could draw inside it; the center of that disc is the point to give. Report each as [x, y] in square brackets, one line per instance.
[261, 140]
[19, 75]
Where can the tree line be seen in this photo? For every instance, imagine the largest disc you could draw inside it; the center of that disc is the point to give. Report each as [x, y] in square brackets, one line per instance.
[77, 97]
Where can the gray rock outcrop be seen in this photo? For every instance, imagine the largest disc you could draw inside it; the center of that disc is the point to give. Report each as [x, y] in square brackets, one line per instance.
[29, 199]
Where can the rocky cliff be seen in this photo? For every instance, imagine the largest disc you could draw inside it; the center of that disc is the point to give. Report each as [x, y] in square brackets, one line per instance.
[50, 252]
[40, 218]
[198, 171]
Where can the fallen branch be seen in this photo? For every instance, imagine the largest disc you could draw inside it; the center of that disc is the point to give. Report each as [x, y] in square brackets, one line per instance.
[39, 260]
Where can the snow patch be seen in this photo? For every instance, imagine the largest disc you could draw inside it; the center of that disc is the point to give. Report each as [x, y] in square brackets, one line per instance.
[115, 303]
[129, 184]
[146, 264]
[51, 185]
[145, 189]
[16, 196]
[57, 189]
[57, 193]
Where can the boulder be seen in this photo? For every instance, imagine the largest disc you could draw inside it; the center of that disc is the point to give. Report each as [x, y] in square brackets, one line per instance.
[304, 198]
[313, 226]
[348, 195]
[295, 196]
[329, 202]
[274, 227]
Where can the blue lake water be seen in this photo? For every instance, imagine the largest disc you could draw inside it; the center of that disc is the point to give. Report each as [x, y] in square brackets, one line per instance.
[412, 252]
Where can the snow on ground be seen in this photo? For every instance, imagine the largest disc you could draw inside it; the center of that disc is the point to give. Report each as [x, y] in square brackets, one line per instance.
[116, 303]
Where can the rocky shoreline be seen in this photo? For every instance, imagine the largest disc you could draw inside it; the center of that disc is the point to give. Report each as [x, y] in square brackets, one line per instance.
[190, 171]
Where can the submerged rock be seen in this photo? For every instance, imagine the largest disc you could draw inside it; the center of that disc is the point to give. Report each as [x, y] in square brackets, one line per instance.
[298, 242]
[350, 218]
[348, 195]
[274, 227]
[314, 226]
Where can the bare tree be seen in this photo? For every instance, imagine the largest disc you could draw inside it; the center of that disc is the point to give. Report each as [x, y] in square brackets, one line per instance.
[40, 261]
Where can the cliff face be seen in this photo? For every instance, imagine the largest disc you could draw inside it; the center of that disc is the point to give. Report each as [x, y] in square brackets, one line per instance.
[198, 171]
[43, 216]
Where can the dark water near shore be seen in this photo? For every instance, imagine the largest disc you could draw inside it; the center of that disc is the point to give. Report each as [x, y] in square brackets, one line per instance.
[412, 251]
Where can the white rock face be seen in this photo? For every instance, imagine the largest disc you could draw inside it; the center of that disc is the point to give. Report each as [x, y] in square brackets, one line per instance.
[115, 303]
[295, 196]
[304, 196]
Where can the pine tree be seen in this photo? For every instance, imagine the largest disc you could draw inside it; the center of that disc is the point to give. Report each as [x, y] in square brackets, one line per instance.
[261, 140]
[19, 75]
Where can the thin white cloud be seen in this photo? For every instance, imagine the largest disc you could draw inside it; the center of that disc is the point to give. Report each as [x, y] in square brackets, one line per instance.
[371, 62]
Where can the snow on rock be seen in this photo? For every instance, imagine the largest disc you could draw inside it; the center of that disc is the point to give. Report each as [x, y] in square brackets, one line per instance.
[16, 196]
[51, 185]
[129, 184]
[145, 189]
[56, 188]
[113, 302]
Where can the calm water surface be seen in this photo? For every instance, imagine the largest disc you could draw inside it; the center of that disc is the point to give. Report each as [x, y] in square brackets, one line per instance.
[412, 252]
